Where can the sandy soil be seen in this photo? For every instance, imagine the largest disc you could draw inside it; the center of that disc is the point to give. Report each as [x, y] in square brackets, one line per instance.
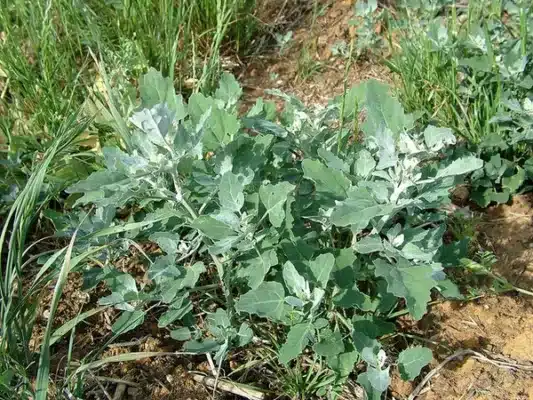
[499, 325]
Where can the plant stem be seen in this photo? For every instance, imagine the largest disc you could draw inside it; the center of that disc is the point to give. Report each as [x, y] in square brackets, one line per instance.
[344, 89]
[218, 264]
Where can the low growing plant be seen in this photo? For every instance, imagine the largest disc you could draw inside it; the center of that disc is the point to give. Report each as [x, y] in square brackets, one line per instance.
[265, 223]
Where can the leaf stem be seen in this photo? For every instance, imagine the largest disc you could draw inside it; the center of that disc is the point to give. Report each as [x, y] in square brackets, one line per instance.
[216, 260]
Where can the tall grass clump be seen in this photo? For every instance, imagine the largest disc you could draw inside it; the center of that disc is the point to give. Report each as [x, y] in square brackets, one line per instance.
[18, 288]
[47, 71]
[45, 62]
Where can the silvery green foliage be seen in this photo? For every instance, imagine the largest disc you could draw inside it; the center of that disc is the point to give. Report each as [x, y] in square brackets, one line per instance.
[266, 213]
[367, 18]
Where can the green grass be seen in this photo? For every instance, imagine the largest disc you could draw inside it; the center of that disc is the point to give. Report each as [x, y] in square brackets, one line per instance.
[17, 300]
[45, 51]
[432, 64]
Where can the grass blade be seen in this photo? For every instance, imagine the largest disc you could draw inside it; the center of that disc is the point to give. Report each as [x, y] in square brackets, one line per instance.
[44, 359]
[69, 325]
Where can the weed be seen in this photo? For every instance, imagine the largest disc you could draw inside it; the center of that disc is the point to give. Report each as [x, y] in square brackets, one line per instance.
[243, 212]
[308, 66]
[283, 41]
[463, 224]
[18, 308]
[45, 57]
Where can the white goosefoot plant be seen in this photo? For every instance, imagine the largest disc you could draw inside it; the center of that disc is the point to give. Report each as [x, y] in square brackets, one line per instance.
[288, 220]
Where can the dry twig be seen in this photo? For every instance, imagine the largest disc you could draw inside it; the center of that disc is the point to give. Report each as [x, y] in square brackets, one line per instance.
[497, 361]
[230, 387]
[119, 391]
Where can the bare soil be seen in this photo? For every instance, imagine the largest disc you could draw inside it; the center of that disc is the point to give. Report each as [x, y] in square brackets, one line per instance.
[499, 325]
[286, 71]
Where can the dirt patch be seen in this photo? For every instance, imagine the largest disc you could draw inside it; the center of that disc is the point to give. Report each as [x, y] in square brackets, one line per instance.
[307, 68]
[159, 378]
[508, 232]
[500, 325]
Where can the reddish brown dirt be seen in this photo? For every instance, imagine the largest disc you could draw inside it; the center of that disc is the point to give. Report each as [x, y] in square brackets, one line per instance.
[508, 231]
[284, 72]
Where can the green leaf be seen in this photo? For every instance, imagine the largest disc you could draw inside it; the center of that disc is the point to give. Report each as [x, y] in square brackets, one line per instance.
[368, 244]
[367, 347]
[163, 268]
[200, 108]
[230, 191]
[332, 161]
[513, 183]
[375, 381]
[438, 138]
[413, 252]
[205, 346]
[461, 166]
[412, 360]
[343, 364]
[259, 125]
[181, 334]
[167, 241]
[327, 181]
[297, 340]
[449, 290]
[372, 326]
[219, 323]
[122, 285]
[330, 344]
[358, 210]
[295, 282]
[413, 283]
[212, 228]
[128, 321]
[156, 123]
[170, 288]
[119, 161]
[273, 197]
[256, 269]
[229, 90]
[385, 141]
[321, 268]
[192, 274]
[353, 297]
[383, 111]
[174, 314]
[265, 301]
[97, 181]
[364, 163]
[221, 128]
[155, 89]
[245, 334]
